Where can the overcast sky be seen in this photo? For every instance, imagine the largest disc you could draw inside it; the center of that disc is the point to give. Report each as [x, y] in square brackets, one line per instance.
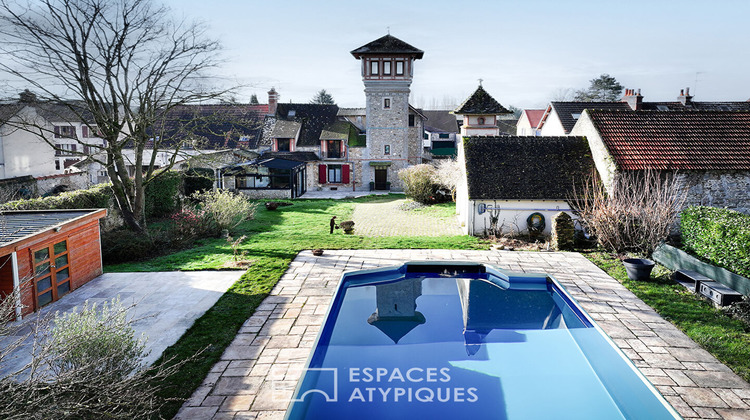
[526, 51]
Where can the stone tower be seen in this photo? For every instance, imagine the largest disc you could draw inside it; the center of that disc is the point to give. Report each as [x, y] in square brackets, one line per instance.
[387, 71]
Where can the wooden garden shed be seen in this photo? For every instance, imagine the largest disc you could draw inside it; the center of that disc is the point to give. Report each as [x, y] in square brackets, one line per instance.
[46, 254]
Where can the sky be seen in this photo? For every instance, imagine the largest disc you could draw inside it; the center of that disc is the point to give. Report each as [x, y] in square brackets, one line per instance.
[527, 52]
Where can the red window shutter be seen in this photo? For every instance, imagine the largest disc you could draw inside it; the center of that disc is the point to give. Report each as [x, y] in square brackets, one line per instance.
[345, 173]
[322, 174]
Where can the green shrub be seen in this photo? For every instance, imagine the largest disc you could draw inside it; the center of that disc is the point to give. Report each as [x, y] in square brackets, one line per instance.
[123, 245]
[100, 341]
[226, 208]
[720, 236]
[197, 180]
[98, 196]
[163, 194]
[419, 184]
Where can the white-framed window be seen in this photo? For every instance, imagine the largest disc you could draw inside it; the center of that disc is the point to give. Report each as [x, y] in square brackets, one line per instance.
[387, 68]
[65, 149]
[90, 132]
[65, 131]
[399, 68]
[334, 174]
[387, 103]
[374, 68]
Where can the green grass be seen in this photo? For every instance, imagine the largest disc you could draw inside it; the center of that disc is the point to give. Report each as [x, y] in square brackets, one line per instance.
[274, 239]
[440, 210]
[728, 339]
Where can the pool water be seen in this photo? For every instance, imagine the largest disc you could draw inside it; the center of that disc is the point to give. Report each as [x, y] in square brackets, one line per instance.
[466, 341]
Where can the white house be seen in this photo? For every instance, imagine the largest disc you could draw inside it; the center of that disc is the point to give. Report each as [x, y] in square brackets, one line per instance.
[529, 121]
[512, 182]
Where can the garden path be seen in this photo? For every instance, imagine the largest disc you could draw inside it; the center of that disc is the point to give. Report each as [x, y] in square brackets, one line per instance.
[386, 218]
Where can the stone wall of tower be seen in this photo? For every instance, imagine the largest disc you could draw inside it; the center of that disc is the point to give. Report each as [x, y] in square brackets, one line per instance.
[387, 127]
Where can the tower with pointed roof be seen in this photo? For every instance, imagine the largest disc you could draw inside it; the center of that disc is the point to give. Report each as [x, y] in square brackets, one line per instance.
[387, 71]
[480, 111]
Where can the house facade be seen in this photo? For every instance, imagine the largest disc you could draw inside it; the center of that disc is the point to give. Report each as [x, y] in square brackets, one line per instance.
[529, 121]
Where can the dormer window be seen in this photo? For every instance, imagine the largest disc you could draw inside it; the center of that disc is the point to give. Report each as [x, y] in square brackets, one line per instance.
[576, 116]
[399, 68]
[374, 68]
[480, 121]
[387, 68]
[283, 145]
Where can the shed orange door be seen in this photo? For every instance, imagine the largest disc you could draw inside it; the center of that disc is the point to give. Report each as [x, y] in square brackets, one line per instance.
[51, 272]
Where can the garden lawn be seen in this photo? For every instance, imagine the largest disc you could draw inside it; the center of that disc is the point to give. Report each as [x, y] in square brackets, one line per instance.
[728, 339]
[273, 240]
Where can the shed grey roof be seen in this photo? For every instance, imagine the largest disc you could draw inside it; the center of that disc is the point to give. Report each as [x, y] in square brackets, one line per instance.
[442, 121]
[566, 110]
[340, 130]
[526, 168]
[387, 45]
[19, 224]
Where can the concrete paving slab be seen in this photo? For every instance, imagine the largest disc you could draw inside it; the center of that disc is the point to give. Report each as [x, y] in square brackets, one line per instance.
[165, 305]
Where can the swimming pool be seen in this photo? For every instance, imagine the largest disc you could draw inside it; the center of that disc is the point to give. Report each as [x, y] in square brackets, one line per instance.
[466, 340]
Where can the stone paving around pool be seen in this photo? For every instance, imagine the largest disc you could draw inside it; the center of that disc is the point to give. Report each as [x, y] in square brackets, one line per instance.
[258, 372]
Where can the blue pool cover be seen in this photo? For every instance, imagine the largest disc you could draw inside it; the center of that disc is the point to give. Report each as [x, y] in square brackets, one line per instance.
[453, 340]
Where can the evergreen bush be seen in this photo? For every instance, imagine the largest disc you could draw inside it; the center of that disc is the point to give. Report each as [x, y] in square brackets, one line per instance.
[720, 236]
[163, 195]
[95, 197]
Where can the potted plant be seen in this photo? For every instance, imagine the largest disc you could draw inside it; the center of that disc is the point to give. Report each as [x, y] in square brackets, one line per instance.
[317, 252]
[348, 226]
[638, 268]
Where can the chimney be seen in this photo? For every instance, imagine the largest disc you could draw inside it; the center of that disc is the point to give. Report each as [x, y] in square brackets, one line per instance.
[685, 98]
[273, 100]
[633, 99]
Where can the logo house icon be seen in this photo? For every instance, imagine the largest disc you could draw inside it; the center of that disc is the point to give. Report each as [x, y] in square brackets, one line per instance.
[323, 381]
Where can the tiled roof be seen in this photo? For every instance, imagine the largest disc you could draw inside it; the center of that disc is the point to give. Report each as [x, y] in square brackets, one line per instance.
[297, 156]
[340, 130]
[565, 110]
[286, 129]
[313, 117]
[534, 116]
[695, 106]
[387, 45]
[440, 121]
[678, 140]
[217, 126]
[480, 102]
[526, 168]
[7, 111]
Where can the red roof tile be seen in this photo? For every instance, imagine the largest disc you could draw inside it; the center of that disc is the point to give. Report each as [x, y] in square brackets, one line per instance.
[696, 140]
[534, 116]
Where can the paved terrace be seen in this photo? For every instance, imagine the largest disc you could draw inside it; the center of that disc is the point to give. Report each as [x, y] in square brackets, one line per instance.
[259, 370]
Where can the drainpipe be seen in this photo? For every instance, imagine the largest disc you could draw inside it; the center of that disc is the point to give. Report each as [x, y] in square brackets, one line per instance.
[16, 284]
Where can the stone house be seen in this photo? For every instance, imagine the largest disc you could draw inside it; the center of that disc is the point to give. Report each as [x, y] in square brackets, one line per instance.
[708, 151]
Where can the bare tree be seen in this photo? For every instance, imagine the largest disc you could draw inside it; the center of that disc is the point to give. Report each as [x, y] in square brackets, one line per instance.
[117, 66]
[636, 214]
[448, 174]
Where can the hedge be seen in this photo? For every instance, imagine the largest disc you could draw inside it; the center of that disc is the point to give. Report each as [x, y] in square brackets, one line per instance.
[98, 196]
[720, 236]
[162, 198]
[163, 194]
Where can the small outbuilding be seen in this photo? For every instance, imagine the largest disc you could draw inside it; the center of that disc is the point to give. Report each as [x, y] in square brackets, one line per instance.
[47, 254]
[514, 183]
